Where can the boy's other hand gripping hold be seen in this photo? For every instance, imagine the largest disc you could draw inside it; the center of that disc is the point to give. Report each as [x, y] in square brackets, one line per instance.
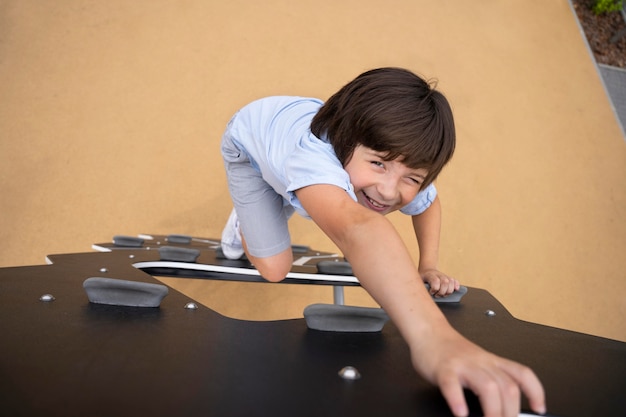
[441, 285]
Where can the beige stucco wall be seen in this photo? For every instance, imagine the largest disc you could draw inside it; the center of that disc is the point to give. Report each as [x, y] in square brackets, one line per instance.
[111, 114]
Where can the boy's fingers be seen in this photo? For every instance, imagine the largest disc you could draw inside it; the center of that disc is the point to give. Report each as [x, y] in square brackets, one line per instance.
[505, 401]
[509, 394]
[435, 286]
[529, 384]
[488, 390]
[447, 287]
[450, 287]
[498, 392]
[441, 285]
[499, 384]
[452, 391]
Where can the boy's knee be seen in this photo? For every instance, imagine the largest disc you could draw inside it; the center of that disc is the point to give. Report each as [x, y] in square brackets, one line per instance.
[274, 268]
[274, 274]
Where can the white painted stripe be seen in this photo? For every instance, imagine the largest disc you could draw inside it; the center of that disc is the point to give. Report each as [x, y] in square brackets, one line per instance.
[241, 271]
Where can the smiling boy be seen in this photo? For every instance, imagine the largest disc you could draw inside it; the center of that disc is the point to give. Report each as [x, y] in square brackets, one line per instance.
[374, 147]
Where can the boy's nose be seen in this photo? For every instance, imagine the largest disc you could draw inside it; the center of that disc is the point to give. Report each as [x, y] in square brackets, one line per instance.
[389, 190]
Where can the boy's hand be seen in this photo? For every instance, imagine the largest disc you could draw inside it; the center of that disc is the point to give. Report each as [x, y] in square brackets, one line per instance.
[440, 284]
[454, 363]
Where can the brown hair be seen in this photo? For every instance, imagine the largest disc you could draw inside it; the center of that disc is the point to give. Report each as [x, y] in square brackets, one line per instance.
[393, 111]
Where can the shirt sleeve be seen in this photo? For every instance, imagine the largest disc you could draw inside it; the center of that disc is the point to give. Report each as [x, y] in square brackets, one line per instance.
[421, 202]
[313, 161]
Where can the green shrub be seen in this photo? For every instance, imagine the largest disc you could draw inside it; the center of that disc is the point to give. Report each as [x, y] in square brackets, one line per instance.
[606, 6]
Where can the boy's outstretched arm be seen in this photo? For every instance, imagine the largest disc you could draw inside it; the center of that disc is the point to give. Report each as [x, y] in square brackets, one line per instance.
[439, 353]
[427, 227]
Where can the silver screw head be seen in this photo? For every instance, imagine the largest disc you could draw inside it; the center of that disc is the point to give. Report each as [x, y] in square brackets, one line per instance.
[191, 306]
[47, 298]
[490, 313]
[349, 373]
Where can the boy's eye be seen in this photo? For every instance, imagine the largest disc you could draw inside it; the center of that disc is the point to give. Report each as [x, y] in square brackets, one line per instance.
[378, 163]
[417, 180]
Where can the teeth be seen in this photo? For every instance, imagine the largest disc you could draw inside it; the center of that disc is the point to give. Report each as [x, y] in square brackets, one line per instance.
[374, 203]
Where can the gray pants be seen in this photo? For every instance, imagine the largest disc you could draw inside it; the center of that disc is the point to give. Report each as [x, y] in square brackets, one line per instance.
[263, 213]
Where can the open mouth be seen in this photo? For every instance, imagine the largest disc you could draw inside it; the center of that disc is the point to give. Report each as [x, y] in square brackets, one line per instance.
[373, 204]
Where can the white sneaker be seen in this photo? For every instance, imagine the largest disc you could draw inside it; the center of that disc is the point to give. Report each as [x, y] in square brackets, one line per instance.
[231, 238]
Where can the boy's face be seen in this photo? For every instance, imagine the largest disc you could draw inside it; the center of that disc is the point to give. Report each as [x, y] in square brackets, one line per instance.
[382, 186]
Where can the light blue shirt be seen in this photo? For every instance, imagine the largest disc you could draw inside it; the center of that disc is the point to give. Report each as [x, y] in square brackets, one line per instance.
[275, 133]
